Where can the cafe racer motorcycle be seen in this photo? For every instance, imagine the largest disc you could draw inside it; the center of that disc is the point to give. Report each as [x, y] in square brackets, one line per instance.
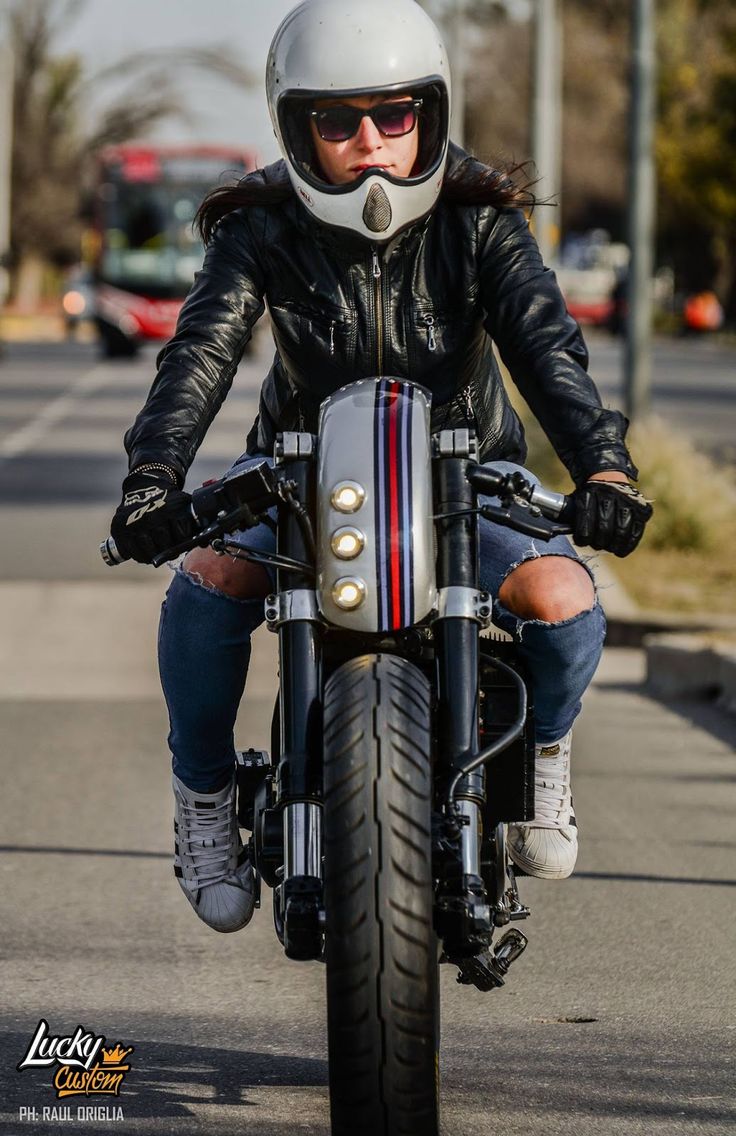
[403, 740]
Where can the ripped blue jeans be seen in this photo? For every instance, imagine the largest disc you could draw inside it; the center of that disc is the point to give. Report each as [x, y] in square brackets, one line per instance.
[204, 652]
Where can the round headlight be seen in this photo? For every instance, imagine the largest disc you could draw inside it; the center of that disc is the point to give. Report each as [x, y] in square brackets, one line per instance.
[348, 592]
[347, 496]
[347, 542]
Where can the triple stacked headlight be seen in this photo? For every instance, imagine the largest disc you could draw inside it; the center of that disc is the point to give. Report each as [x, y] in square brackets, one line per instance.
[347, 542]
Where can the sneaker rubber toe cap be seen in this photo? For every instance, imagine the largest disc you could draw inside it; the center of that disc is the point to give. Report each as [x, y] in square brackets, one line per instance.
[548, 853]
[228, 905]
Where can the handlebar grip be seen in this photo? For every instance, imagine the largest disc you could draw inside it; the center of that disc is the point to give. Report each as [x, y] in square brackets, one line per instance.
[555, 505]
[109, 553]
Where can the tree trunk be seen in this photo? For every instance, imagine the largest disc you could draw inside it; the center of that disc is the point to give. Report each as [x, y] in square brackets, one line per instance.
[28, 283]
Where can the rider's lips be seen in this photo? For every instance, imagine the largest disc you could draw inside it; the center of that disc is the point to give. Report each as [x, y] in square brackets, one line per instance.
[368, 166]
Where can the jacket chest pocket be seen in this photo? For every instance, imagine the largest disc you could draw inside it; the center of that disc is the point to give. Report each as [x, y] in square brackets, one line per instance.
[317, 331]
[434, 333]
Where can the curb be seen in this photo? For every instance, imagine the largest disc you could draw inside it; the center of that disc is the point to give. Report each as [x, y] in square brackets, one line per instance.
[692, 666]
[687, 656]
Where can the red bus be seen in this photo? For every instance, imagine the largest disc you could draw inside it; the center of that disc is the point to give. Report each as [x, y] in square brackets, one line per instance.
[144, 251]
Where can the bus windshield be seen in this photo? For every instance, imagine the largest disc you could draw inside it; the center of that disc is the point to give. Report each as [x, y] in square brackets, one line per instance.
[147, 245]
[148, 242]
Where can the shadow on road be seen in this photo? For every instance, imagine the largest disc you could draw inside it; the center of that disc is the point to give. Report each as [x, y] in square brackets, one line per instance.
[52, 850]
[629, 877]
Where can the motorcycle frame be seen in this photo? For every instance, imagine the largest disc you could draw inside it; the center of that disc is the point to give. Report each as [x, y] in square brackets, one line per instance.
[287, 840]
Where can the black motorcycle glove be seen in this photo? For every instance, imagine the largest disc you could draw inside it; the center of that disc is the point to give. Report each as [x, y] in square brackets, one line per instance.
[153, 516]
[610, 515]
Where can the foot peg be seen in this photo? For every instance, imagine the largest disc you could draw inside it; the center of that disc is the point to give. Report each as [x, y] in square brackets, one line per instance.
[488, 970]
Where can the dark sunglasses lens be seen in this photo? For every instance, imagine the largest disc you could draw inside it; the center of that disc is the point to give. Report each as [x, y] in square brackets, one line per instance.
[394, 119]
[336, 124]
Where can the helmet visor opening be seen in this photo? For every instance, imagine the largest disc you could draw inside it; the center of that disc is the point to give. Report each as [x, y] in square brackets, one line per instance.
[426, 109]
[340, 122]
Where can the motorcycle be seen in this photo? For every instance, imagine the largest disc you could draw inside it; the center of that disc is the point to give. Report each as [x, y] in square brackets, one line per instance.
[403, 740]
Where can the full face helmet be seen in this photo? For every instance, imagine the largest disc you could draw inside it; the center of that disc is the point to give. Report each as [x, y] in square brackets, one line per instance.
[332, 48]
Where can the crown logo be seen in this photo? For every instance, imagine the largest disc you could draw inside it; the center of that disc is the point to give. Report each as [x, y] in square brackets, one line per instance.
[115, 1056]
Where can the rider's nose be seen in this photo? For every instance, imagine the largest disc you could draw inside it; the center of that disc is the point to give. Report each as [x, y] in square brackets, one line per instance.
[368, 136]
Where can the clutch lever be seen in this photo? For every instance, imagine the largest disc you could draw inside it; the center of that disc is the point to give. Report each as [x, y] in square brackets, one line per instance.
[517, 516]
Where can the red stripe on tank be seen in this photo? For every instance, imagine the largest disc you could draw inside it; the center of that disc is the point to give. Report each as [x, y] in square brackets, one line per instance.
[394, 467]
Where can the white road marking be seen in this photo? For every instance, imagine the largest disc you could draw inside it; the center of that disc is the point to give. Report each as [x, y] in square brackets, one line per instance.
[54, 411]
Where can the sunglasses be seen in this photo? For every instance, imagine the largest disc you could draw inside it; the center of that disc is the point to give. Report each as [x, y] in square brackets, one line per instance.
[338, 123]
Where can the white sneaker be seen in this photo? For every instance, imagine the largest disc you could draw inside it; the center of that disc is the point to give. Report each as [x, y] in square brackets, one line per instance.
[547, 847]
[210, 861]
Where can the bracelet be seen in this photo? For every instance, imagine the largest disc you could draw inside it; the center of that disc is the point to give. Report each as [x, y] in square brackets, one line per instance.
[156, 467]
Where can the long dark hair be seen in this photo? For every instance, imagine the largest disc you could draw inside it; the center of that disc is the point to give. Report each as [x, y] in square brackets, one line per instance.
[468, 183]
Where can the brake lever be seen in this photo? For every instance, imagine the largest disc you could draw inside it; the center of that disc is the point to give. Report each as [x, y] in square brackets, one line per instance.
[515, 516]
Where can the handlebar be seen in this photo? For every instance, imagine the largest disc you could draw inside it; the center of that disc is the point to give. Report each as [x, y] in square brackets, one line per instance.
[232, 502]
[524, 505]
[238, 500]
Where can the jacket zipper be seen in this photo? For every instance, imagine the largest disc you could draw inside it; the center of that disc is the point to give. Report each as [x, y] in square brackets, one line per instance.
[431, 341]
[379, 308]
[332, 337]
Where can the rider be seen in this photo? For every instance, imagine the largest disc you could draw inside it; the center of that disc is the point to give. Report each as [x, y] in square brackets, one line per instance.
[381, 248]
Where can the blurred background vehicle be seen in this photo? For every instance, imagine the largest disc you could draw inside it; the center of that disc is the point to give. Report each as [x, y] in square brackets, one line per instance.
[144, 252]
[591, 266]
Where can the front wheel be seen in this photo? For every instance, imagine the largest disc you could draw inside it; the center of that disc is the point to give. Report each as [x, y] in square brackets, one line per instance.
[381, 951]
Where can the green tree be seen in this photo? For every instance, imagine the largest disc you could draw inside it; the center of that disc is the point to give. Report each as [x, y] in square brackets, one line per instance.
[696, 122]
[56, 133]
[696, 144]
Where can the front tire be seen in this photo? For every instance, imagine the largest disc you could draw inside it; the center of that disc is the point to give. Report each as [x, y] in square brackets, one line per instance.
[381, 951]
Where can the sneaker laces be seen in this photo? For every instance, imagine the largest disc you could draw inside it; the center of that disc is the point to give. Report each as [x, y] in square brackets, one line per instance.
[552, 801]
[206, 838]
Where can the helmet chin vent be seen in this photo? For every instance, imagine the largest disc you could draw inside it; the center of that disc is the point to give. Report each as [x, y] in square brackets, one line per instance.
[377, 210]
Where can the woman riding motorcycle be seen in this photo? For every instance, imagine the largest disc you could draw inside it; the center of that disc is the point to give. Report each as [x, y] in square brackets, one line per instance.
[381, 248]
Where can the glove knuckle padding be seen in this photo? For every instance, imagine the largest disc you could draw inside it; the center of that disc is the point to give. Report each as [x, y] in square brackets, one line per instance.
[153, 516]
[583, 518]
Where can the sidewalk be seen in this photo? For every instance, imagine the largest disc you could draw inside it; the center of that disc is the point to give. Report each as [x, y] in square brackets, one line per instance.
[41, 327]
[687, 656]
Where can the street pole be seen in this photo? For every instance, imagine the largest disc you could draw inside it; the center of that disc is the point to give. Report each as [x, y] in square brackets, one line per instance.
[6, 144]
[546, 125]
[638, 354]
[457, 124]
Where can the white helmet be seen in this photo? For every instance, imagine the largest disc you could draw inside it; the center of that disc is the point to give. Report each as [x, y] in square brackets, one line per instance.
[325, 48]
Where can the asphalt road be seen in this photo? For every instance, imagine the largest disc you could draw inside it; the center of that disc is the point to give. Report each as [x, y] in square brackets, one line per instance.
[619, 1020]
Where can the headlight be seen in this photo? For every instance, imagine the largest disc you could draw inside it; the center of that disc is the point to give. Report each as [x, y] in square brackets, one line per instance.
[347, 542]
[347, 496]
[348, 592]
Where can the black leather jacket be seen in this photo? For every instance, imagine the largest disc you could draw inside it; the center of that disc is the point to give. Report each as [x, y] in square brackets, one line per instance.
[425, 308]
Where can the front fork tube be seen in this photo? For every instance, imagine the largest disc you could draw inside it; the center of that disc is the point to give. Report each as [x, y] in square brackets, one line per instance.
[457, 683]
[463, 911]
[299, 794]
